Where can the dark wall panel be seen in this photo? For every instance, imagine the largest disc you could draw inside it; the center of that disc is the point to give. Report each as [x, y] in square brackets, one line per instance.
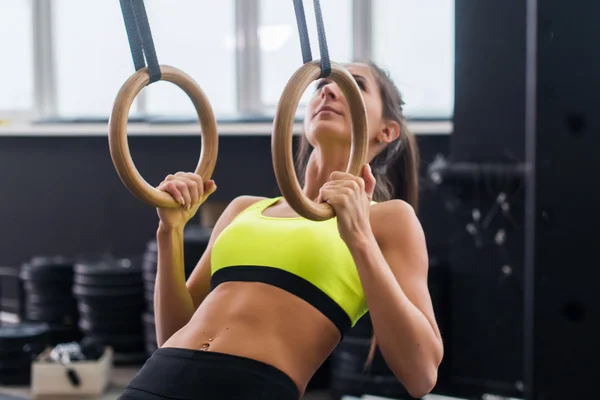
[62, 194]
[490, 81]
[563, 306]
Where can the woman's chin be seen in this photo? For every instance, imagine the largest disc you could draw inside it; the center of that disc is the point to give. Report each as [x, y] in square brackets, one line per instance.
[324, 130]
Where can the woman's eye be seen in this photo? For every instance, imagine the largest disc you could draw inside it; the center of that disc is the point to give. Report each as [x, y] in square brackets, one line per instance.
[321, 84]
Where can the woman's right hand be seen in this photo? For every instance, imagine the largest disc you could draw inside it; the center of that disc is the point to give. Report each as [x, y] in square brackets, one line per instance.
[188, 189]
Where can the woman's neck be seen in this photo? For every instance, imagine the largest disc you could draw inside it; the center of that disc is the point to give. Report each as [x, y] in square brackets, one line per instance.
[320, 167]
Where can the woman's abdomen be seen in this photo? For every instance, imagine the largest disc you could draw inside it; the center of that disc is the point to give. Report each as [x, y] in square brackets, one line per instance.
[261, 322]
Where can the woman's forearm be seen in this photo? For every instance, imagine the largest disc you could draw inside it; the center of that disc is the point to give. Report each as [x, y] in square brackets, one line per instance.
[173, 305]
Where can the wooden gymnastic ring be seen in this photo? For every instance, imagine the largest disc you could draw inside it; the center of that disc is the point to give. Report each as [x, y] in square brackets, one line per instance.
[281, 141]
[119, 148]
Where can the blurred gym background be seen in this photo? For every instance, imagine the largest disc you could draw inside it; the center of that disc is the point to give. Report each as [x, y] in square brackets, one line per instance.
[501, 95]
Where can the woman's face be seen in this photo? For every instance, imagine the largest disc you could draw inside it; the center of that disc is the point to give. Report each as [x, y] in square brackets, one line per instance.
[328, 115]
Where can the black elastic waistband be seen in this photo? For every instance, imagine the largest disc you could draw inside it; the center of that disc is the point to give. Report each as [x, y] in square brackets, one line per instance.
[289, 282]
[217, 359]
[180, 373]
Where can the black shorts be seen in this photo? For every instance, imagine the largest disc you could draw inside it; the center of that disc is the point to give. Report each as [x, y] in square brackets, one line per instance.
[184, 374]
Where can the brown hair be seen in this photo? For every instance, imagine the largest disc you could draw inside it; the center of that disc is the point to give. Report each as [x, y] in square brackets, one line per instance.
[396, 167]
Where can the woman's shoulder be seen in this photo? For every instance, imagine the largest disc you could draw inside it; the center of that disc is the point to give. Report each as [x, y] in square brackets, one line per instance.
[393, 217]
[396, 206]
[244, 202]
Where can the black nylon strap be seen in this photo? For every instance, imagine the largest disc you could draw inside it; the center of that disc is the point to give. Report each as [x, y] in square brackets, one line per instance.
[303, 31]
[133, 35]
[140, 37]
[305, 40]
[325, 62]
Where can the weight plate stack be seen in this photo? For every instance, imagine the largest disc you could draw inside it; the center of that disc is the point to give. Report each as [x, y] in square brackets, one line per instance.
[47, 283]
[11, 291]
[110, 301]
[19, 346]
[149, 265]
[348, 375]
[149, 277]
[149, 333]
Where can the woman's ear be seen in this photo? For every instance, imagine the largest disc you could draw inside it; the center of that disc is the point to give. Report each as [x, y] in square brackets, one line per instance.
[390, 131]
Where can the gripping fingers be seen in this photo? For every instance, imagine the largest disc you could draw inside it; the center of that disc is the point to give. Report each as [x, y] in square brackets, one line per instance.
[171, 188]
[324, 194]
[195, 184]
[187, 188]
[194, 191]
[185, 193]
[335, 196]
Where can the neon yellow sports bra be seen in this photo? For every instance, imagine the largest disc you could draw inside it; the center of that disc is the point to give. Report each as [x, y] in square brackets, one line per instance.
[306, 258]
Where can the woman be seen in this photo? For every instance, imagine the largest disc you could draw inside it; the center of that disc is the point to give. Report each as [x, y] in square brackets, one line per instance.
[273, 294]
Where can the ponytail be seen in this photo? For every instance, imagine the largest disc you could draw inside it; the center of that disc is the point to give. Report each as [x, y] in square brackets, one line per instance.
[408, 185]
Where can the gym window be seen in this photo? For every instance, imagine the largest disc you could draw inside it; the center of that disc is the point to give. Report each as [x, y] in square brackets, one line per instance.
[17, 77]
[68, 58]
[414, 40]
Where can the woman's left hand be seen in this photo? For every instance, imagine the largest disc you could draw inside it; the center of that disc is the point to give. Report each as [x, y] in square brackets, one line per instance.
[350, 197]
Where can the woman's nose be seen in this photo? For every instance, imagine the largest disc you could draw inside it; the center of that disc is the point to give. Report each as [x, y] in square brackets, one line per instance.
[328, 91]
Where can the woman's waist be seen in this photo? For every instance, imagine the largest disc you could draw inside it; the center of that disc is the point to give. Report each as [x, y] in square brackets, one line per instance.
[183, 373]
[238, 338]
[264, 323]
[234, 336]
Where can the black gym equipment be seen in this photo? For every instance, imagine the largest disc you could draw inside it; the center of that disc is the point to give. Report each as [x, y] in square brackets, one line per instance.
[109, 294]
[149, 332]
[128, 348]
[47, 283]
[19, 345]
[149, 277]
[11, 292]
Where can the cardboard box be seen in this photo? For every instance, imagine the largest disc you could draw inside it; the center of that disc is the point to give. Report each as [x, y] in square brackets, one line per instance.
[52, 379]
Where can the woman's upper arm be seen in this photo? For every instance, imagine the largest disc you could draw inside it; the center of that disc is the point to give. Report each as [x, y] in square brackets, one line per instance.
[198, 284]
[402, 241]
